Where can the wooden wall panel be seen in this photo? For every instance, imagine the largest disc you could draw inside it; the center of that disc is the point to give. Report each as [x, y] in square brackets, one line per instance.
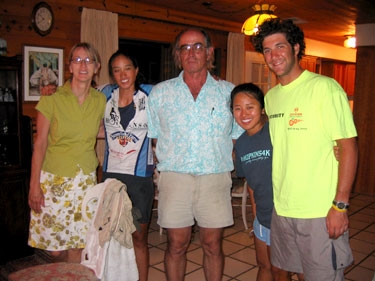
[364, 119]
[16, 27]
[162, 32]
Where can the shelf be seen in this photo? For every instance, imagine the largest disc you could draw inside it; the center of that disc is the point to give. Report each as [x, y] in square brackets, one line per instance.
[8, 102]
[15, 159]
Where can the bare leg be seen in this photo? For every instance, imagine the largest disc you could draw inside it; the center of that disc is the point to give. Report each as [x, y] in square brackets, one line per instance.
[71, 255]
[301, 276]
[142, 255]
[263, 260]
[213, 258]
[175, 254]
[280, 274]
[59, 256]
[74, 255]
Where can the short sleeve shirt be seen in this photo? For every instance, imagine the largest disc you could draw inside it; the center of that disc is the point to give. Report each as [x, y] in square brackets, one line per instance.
[128, 150]
[254, 161]
[73, 130]
[306, 117]
[193, 136]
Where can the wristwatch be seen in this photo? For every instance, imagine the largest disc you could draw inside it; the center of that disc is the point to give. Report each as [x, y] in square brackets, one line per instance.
[340, 205]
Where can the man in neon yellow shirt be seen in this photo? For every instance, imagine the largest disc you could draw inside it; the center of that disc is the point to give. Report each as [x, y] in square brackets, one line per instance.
[309, 114]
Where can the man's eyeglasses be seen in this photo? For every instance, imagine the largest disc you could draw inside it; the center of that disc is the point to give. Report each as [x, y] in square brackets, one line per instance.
[197, 48]
[78, 60]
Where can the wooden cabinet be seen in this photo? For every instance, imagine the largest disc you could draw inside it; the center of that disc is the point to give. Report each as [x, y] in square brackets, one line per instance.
[15, 157]
[14, 212]
[309, 63]
[349, 79]
[344, 73]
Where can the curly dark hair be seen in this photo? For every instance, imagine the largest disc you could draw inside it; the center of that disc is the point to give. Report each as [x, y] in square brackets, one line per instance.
[293, 33]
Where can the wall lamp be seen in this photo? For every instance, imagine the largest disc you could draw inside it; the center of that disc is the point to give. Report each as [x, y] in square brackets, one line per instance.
[350, 42]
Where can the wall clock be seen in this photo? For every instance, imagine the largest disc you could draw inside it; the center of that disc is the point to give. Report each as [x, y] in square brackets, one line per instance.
[42, 18]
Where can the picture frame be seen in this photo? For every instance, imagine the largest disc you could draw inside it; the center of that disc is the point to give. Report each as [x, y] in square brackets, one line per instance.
[43, 71]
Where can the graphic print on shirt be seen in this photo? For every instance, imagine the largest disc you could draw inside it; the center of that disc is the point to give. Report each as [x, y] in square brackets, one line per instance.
[141, 107]
[295, 117]
[124, 138]
[259, 155]
[117, 133]
[142, 104]
[114, 118]
[296, 120]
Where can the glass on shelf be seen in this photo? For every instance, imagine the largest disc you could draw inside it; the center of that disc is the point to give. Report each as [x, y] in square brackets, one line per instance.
[10, 114]
[6, 95]
[4, 129]
[3, 155]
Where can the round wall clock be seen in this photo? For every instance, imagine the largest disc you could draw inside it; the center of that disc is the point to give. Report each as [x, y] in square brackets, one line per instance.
[42, 18]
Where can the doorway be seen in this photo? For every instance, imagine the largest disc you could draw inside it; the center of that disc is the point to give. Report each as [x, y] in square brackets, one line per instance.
[155, 60]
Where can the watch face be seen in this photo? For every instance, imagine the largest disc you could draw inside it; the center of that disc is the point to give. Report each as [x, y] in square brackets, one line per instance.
[341, 205]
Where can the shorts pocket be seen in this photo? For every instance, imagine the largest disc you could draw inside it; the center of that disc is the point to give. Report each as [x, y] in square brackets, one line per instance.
[341, 253]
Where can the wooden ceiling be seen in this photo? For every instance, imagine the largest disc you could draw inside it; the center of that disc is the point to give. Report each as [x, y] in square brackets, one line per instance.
[324, 20]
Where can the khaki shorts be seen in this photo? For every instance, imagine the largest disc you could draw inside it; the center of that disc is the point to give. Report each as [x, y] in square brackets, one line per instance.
[303, 246]
[185, 198]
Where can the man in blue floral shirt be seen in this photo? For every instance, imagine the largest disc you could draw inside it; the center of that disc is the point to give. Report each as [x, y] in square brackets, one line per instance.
[192, 125]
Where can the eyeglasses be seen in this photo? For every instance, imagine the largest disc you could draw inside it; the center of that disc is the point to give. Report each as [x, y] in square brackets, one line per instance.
[197, 48]
[78, 60]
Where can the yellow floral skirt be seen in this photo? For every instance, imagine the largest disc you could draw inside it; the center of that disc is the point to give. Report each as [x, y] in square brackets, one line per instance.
[60, 226]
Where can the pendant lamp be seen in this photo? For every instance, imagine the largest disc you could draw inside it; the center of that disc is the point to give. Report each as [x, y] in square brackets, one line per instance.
[262, 13]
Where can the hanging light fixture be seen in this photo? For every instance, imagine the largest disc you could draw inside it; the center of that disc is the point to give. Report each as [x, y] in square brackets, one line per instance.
[262, 13]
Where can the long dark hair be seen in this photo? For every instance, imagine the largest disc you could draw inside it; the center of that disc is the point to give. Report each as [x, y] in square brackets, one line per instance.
[139, 79]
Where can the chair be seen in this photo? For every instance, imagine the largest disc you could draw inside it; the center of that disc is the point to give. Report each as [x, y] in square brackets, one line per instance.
[155, 209]
[61, 271]
[244, 195]
[156, 197]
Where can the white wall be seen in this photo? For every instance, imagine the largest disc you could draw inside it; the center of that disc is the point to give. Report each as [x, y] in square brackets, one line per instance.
[365, 34]
[330, 51]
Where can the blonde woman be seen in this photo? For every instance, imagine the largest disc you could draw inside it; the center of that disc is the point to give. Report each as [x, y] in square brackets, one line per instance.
[64, 161]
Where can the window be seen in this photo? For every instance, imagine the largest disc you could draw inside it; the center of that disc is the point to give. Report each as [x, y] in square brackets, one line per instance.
[257, 72]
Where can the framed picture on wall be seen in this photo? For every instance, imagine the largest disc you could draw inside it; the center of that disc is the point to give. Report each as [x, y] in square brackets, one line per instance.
[43, 71]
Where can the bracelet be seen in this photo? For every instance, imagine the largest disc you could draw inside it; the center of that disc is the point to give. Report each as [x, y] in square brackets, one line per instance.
[339, 210]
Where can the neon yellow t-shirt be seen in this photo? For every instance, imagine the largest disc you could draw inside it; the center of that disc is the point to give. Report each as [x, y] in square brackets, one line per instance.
[73, 130]
[306, 117]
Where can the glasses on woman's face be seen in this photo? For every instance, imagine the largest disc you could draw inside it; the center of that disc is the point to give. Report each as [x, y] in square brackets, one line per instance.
[197, 48]
[79, 60]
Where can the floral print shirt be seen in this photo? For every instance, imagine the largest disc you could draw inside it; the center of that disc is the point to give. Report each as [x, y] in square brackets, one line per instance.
[193, 136]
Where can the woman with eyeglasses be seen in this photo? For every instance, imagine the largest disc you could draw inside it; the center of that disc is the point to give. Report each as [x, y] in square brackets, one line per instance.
[64, 160]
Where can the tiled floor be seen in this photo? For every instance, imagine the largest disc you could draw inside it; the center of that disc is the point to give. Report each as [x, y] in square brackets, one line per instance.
[240, 263]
